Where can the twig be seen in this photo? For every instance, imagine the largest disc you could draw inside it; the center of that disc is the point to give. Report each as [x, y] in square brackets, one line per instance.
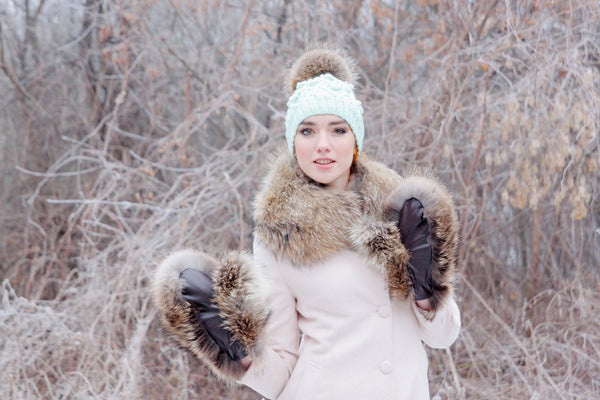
[514, 337]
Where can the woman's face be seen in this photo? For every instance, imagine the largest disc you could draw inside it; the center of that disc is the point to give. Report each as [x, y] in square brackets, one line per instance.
[324, 146]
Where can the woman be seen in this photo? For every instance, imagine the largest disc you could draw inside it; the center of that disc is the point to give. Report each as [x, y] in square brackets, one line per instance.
[352, 265]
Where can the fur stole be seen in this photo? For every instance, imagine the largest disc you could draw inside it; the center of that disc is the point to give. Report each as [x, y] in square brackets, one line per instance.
[298, 218]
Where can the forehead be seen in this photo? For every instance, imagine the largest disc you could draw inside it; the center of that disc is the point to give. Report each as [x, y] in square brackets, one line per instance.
[326, 119]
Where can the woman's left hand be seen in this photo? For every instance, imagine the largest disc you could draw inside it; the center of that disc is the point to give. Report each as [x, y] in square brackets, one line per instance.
[424, 305]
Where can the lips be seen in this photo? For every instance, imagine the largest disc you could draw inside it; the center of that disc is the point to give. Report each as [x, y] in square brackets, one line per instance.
[323, 161]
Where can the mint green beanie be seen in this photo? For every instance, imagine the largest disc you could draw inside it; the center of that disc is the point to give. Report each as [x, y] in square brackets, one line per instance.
[324, 94]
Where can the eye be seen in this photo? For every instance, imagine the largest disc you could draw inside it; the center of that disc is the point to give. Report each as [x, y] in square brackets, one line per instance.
[306, 131]
[340, 131]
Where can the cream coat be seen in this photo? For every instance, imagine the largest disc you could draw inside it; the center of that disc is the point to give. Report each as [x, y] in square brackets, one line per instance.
[324, 306]
[358, 342]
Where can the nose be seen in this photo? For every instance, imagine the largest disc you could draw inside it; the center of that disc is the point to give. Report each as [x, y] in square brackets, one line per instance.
[323, 145]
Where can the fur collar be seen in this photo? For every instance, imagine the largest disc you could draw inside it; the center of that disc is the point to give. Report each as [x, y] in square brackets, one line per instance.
[300, 219]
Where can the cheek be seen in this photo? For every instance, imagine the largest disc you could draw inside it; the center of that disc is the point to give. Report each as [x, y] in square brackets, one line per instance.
[349, 148]
[299, 144]
[302, 150]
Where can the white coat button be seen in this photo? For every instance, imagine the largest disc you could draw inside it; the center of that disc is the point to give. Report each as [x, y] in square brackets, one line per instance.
[383, 311]
[386, 367]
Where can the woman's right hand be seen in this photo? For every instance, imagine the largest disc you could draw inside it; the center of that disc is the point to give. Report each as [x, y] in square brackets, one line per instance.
[198, 291]
[246, 362]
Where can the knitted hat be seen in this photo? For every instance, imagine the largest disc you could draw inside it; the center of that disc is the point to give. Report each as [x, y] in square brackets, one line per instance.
[322, 83]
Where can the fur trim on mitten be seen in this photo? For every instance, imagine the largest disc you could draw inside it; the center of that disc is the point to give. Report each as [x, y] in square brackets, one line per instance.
[238, 294]
[443, 223]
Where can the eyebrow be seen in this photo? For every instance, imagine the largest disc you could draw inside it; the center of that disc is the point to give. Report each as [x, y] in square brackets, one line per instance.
[332, 123]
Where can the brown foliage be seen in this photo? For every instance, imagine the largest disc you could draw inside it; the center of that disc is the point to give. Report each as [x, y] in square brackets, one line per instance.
[129, 129]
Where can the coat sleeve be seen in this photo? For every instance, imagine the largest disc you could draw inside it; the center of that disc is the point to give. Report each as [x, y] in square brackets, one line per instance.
[239, 294]
[441, 330]
[269, 373]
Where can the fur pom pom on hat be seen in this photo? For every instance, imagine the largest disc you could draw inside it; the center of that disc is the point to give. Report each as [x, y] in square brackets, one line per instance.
[322, 81]
[320, 60]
